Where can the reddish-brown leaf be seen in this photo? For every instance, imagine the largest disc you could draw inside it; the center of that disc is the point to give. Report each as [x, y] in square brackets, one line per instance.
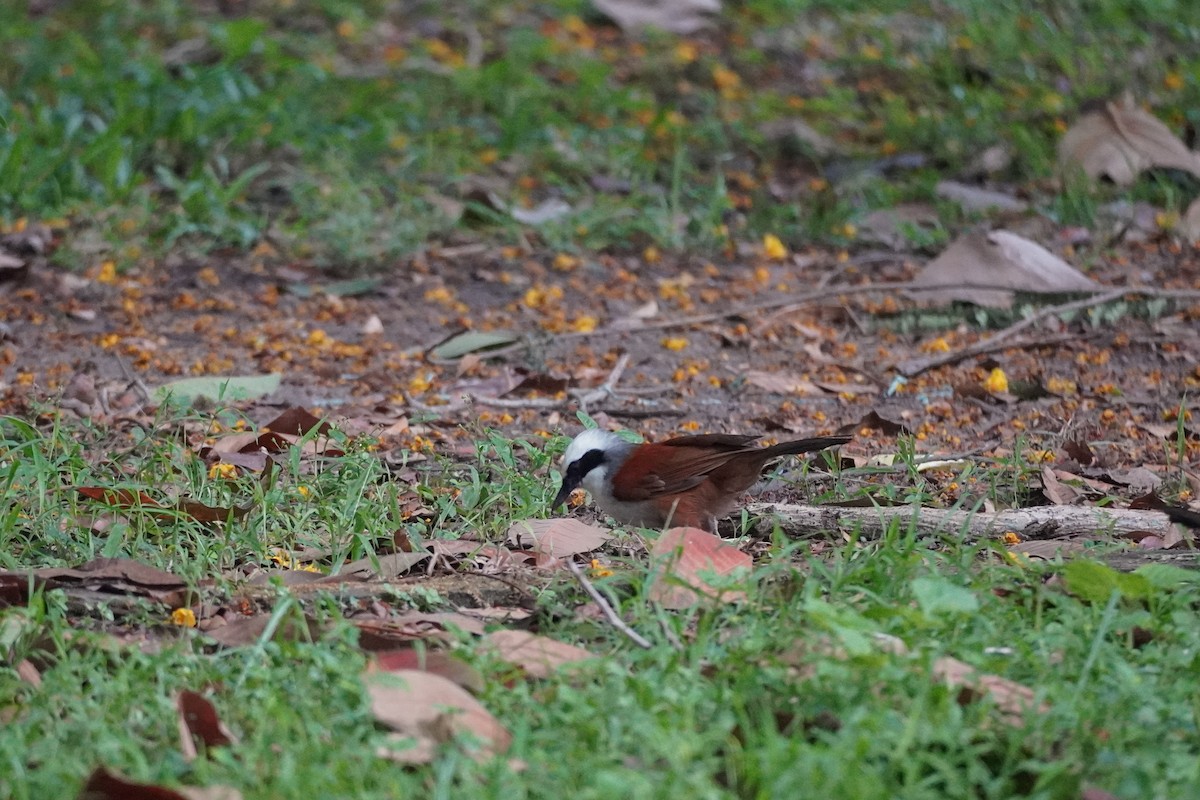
[447, 665]
[560, 538]
[538, 656]
[431, 710]
[685, 557]
[198, 720]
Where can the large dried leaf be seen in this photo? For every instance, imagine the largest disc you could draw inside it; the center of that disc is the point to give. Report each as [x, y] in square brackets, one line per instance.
[673, 16]
[538, 656]
[460, 344]
[687, 559]
[105, 785]
[784, 383]
[559, 538]
[974, 198]
[1189, 226]
[439, 662]
[1002, 259]
[383, 567]
[1013, 699]
[431, 710]
[1121, 140]
[198, 722]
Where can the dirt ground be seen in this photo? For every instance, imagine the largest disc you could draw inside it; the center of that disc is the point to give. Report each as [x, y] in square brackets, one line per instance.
[96, 343]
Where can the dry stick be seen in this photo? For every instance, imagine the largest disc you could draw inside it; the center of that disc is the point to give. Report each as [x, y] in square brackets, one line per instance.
[801, 300]
[1039, 522]
[1000, 341]
[609, 613]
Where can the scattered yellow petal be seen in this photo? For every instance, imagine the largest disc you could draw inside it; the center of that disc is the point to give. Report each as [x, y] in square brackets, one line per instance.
[773, 248]
[563, 262]
[997, 381]
[317, 337]
[675, 343]
[184, 617]
[222, 471]
[489, 156]
[585, 324]
[108, 272]
[598, 570]
[419, 383]
[938, 345]
[1173, 81]
[651, 255]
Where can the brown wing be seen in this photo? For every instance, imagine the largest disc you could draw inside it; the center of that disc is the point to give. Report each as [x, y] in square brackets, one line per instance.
[670, 468]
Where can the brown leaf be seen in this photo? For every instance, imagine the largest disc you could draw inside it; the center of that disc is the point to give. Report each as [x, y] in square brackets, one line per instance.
[672, 16]
[1121, 140]
[431, 710]
[298, 422]
[784, 383]
[559, 538]
[538, 656]
[685, 556]
[243, 631]
[404, 628]
[873, 421]
[105, 785]
[998, 258]
[1057, 492]
[198, 720]
[1013, 699]
[389, 566]
[447, 665]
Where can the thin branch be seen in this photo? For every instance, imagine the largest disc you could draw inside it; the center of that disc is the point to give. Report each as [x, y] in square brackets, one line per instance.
[1001, 339]
[605, 607]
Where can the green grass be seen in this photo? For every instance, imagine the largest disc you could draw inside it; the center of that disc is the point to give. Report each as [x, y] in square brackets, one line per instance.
[757, 701]
[331, 128]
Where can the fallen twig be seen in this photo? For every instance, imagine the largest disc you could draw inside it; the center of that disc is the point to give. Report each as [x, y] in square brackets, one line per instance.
[1000, 340]
[611, 615]
[1040, 522]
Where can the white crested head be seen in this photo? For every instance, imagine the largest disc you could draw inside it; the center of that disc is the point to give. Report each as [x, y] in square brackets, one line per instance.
[590, 458]
[592, 439]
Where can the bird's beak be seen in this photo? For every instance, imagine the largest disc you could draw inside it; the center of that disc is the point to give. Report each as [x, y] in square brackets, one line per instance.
[569, 484]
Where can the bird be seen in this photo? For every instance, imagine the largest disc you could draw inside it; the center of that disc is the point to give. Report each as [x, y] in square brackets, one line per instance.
[688, 481]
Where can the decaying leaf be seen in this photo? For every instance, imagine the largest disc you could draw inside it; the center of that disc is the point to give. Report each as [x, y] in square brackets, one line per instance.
[439, 662]
[672, 16]
[460, 344]
[974, 198]
[559, 538]
[896, 227]
[784, 383]
[538, 656]
[686, 559]
[1189, 226]
[428, 710]
[198, 721]
[383, 567]
[1013, 699]
[105, 785]
[1120, 141]
[1001, 259]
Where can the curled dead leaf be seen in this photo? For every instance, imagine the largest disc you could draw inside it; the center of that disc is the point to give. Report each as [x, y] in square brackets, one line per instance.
[1121, 140]
[538, 656]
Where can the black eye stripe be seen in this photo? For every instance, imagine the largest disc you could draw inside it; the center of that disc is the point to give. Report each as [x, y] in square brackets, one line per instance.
[586, 463]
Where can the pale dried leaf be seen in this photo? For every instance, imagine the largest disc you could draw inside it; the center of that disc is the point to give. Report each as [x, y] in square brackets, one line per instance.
[673, 16]
[1048, 549]
[1121, 140]
[546, 211]
[1013, 699]
[559, 538]
[895, 226]
[686, 558]
[784, 383]
[1057, 492]
[999, 258]
[538, 656]
[389, 566]
[1189, 226]
[433, 710]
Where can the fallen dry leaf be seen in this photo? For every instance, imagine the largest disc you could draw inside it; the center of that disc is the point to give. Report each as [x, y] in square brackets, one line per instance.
[538, 656]
[198, 721]
[784, 383]
[672, 16]
[559, 538]
[1189, 226]
[431, 710]
[105, 785]
[1121, 140]
[445, 664]
[1013, 699]
[383, 567]
[999, 258]
[684, 557]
